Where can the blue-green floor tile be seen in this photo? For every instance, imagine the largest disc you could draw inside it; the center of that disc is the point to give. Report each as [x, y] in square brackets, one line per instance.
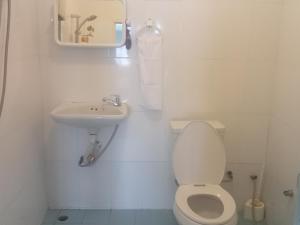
[155, 217]
[242, 221]
[51, 216]
[96, 217]
[122, 217]
[74, 216]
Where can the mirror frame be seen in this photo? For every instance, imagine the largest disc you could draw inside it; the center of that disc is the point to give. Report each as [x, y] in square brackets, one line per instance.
[69, 44]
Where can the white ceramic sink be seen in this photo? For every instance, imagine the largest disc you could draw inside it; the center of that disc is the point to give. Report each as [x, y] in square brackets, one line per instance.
[89, 115]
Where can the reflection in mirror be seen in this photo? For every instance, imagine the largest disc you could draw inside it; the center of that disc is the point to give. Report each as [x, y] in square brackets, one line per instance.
[99, 23]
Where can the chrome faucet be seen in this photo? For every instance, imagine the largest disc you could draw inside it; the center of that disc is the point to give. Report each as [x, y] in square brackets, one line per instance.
[115, 100]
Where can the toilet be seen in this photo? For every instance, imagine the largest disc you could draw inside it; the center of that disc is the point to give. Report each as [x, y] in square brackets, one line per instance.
[199, 166]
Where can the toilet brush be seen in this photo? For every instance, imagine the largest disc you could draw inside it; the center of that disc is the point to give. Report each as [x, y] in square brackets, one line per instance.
[254, 208]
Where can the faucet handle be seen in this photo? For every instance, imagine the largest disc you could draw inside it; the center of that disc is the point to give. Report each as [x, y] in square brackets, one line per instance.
[117, 99]
[116, 96]
[114, 99]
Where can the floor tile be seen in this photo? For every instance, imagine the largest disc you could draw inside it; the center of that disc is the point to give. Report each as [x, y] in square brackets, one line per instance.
[74, 216]
[122, 217]
[96, 217]
[51, 216]
[242, 221]
[70, 223]
[119, 217]
[155, 217]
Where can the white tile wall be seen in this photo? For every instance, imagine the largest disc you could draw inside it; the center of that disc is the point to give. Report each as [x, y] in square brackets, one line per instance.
[22, 197]
[219, 60]
[283, 153]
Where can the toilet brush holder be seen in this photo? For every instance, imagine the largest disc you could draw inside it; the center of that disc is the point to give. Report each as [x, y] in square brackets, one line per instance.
[259, 210]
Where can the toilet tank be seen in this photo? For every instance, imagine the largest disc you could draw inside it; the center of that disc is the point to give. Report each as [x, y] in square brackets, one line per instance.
[177, 126]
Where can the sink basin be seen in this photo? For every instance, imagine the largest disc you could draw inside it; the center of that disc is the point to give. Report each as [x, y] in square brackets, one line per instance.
[89, 115]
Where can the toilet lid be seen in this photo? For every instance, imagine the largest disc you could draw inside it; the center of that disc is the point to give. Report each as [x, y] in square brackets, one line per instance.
[199, 155]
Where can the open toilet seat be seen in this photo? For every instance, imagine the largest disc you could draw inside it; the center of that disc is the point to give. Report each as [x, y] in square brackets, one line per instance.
[199, 158]
[222, 210]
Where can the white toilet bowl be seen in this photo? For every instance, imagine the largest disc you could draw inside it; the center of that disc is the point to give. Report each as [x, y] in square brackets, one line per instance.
[199, 165]
[204, 205]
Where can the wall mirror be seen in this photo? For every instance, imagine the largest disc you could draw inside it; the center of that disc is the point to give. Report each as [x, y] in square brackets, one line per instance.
[90, 23]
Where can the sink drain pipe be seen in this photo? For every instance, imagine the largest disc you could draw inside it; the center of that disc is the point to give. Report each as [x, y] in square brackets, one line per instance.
[95, 149]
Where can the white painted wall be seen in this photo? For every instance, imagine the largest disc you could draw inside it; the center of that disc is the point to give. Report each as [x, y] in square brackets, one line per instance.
[220, 57]
[22, 197]
[283, 154]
